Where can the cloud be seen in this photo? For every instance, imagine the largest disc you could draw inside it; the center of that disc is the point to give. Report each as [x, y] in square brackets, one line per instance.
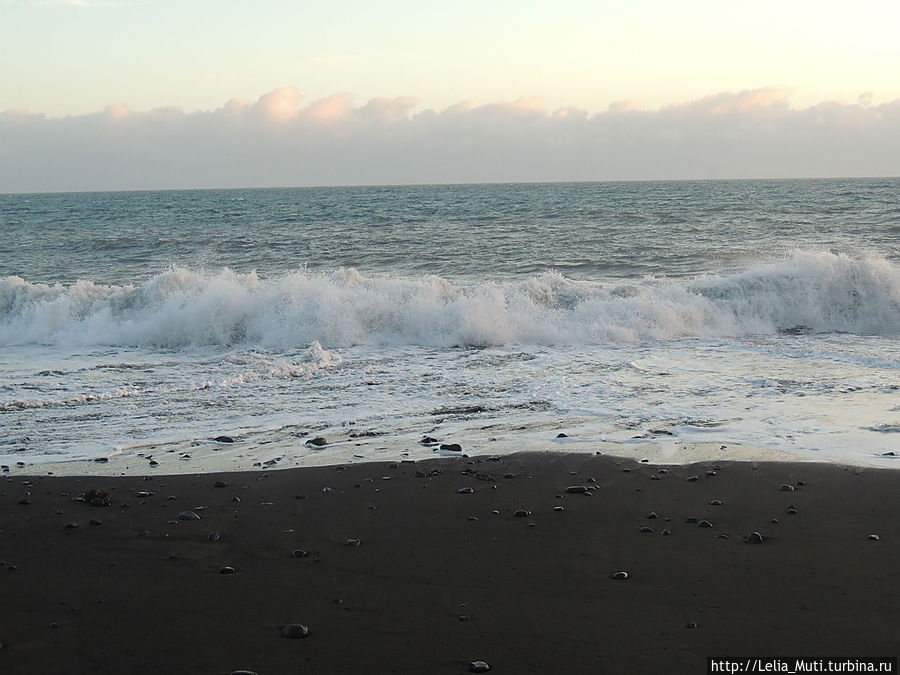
[284, 139]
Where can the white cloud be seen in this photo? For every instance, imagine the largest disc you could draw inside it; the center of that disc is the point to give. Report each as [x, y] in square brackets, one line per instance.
[282, 139]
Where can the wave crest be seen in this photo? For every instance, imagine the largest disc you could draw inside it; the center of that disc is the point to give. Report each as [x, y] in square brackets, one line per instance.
[810, 291]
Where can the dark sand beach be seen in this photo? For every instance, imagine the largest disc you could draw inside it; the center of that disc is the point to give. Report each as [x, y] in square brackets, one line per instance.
[433, 579]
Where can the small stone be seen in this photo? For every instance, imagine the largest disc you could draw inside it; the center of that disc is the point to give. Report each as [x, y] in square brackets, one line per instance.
[479, 667]
[352, 542]
[647, 530]
[691, 625]
[559, 508]
[153, 462]
[784, 487]
[71, 526]
[754, 538]
[562, 435]
[693, 479]
[213, 537]
[188, 515]
[95, 522]
[800, 483]
[652, 515]
[791, 509]
[710, 473]
[522, 513]
[576, 489]
[223, 439]
[428, 440]
[465, 491]
[452, 447]
[619, 576]
[715, 502]
[141, 494]
[662, 471]
[101, 460]
[874, 537]
[299, 553]
[666, 533]
[704, 523]
[774, 521]
[295, 631]
[318, 441]
[220, 484]
[226, 569]
[654, 477]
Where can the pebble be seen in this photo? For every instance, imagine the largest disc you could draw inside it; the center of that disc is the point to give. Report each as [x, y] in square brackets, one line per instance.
[652, 515]
[318, 441]
[153, 462]
[619, 575]
[874, 537]
[693, 479]
[647, 530]
[465, 491]
[213, 537]
[715, 502]
[692, 625]
[352, 542]
[559, 508]
[220, 484]
[786, 488]
[140, 494]
[754, 538]
[226, 569]
[95, 522]
[666, 533]
[295, 630]
[223, 439]
[522, 513]
[188, 515]
[710, 473]
[299, 553]
[479, 667]
[452, 447]
[790, 508]
[704, 523]
[576, 490]
[71, 526]
[562, 435]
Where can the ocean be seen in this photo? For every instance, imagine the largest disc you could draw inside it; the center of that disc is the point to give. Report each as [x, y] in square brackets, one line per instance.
[673, 321]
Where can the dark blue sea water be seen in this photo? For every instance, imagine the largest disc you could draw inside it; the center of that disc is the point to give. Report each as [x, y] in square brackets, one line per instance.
[667, 318]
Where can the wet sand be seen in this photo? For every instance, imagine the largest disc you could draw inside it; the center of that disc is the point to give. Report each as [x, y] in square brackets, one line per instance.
[440, 578]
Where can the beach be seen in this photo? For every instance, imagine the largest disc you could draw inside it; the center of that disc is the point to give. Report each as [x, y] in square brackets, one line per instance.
[429, 566]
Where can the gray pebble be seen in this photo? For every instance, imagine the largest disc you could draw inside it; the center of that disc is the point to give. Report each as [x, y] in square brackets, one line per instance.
[465, 491]
[188, 515]
[754, 538]
[786, 488]
[295, 630]
[621, 575]
[479, 667]
[226, 569]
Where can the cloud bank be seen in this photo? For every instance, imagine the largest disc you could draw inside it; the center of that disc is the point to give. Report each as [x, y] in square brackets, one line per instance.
[283, 140]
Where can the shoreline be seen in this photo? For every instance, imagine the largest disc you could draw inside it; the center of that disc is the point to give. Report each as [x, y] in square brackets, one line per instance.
[439, 577]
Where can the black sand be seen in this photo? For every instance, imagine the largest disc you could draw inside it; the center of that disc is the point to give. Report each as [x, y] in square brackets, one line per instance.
[438, 579]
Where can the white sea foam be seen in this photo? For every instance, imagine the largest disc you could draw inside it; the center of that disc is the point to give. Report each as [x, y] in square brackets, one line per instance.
[808, 292]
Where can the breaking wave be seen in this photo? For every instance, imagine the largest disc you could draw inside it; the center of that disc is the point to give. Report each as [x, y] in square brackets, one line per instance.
[807, 292]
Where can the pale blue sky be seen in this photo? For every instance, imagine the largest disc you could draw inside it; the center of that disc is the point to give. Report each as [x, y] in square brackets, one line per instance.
[71, 57]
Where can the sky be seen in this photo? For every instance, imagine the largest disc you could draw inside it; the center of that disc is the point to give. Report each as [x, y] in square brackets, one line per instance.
[125, 94]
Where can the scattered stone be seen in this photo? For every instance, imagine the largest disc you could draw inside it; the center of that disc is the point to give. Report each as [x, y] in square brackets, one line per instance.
[96, 497]
[479, 667]
[786, 488]
[889, 453]
[691, 625]
[465, 491]
[295, 631]
[352, 542]
[484, 476]
[220, 484]
[654, 477]
[473, 519]
[236, 499]
[647, 530]
[428, 440]
[226, 569]
[141, 494]
[101, 460]
[318, 441]
[791, 509]
[710, 473]
[153, 462]
[559, 508]
[188, 515]
[662, 471]
[721, 535]
[522, 513]
[619, 576]
[874, 537]
[652, 515]
[666, 533]
[299, 553]
[562, 435]
[704, 523]
[223, 439]
[693, 479]
[754, 538]
[213, 537]
[452, 447]
[715, 502]
[576, 490]
[71, 526]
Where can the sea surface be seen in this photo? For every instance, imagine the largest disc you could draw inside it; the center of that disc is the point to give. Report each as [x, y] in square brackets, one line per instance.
[754, 313]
